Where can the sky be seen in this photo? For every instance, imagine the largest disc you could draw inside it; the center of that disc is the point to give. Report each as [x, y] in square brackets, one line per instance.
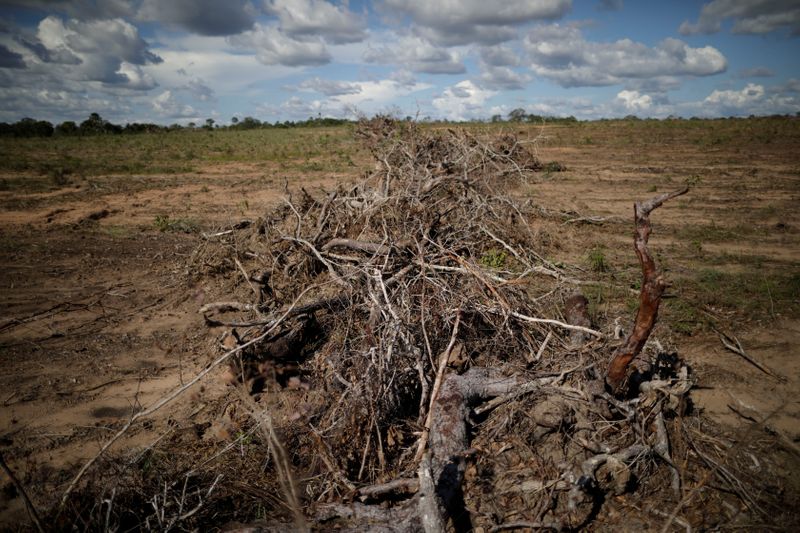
[181, 61]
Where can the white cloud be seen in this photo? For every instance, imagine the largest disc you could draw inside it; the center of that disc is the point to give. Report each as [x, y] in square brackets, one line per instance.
[562, 54]
[273, 47]
[634, 101]
[403, 77]
[418, 55]
[502, 78]
[749, 16]
[114, 38]
[137, 78]
[463, 101]
[458, 22]
[221, 70]
[107, 51]
[753, 99]
[330, 87]
[371, 97]
[736, 99]
[496, 72]
[61, 104]
[198, 89]
[167, 105]
[380, 92]
[499, 56]
[318, 18]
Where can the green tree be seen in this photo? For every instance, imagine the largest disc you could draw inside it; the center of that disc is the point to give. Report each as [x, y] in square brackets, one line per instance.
[93, 125]
[68, 127]
[517, 115]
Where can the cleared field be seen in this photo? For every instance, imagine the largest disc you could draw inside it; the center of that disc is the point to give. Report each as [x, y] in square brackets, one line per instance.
[99, 303]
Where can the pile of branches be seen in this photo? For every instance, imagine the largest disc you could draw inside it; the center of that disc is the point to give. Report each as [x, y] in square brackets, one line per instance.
[419, 316]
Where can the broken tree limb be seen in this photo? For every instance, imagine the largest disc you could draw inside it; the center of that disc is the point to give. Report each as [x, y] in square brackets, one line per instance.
[443, 358]
[653, 286]
[429, 511]
[733, 344]
[571, 327]
[448, 430]
[524, 388]
[397, 486]
[576, 311]
[661, 448]
[362, 246]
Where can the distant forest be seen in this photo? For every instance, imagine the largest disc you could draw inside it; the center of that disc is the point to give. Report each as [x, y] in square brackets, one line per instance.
[96, 125]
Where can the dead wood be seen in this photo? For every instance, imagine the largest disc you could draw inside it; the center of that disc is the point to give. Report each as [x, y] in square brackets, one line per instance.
[370, 247]
[397, 486]
[448, 438]
[732, 344]
[419, 359]
[653, 286]
[576, 312]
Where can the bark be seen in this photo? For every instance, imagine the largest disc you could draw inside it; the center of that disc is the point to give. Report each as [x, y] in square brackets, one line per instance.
[369, 247]
[449, 438]
[576, 312]
[653, 286]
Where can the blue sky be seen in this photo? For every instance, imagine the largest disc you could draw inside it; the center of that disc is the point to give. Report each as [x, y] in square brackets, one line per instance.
[183, 61]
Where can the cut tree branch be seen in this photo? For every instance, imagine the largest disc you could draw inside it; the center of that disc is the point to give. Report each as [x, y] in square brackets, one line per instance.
[653, 286]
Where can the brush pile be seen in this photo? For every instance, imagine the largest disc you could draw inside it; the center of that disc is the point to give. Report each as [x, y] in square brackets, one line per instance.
[440, 371]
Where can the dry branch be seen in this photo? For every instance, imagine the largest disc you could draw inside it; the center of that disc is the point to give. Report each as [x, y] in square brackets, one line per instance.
[732, 343]
[397, 486]
[413, 248]
[653, 286]
[370, 247]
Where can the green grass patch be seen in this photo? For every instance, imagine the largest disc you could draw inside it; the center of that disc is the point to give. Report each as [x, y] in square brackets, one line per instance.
[183, 225]
[178, 151]
[762, 293]
[597, 260]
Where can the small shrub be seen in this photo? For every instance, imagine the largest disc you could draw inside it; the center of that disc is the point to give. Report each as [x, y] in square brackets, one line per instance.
[494, 258]
[694, 180]
[597, 260]
[682, 316]
[165, 223]
[554, 166]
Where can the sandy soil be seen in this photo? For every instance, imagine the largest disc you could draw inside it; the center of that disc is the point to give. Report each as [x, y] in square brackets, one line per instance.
[99, 318]
[98, 313]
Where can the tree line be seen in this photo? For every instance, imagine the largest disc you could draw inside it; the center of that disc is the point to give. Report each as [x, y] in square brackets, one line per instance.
[96, 125]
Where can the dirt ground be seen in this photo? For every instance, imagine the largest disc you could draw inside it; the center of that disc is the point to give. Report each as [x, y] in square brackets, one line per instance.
[99, 308]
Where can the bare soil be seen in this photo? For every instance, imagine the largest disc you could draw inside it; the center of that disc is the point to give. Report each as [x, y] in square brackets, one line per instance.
[98, 309]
